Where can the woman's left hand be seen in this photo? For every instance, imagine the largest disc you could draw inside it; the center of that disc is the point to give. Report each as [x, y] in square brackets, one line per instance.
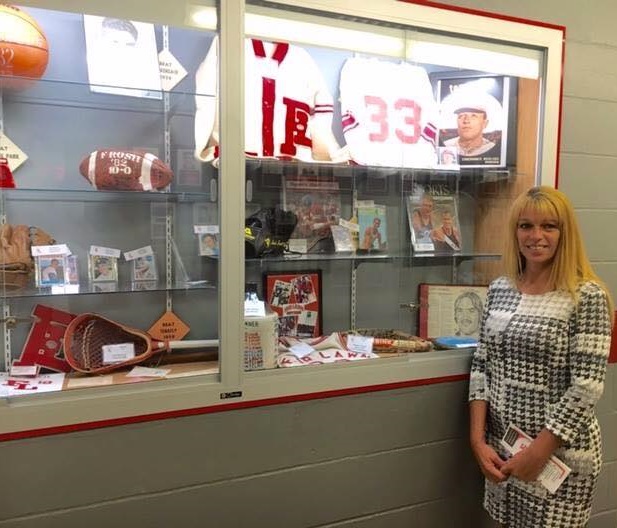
[529, 463]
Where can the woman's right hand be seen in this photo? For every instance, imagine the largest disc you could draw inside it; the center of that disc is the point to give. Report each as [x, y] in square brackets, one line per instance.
[489, 461]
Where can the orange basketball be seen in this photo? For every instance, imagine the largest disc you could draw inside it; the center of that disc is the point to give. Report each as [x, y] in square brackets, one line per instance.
[23, 46]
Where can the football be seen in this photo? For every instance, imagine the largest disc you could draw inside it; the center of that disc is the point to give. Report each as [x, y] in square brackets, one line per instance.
[23, 46]
[125, 170]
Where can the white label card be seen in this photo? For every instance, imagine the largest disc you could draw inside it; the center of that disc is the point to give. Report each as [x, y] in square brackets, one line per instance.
[301, 349]
[43, 251]
[24, 370]
[254, 309]
[203, 229]
[172, 72]
[365, 203]
[11, 152]
[118, 353]
[352, 226]
[145, 372]
[105, 251]
[298, 244]
[141, 252]
[357, 343]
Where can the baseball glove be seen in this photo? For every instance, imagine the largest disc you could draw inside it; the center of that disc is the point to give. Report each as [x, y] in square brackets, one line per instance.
[16, 262]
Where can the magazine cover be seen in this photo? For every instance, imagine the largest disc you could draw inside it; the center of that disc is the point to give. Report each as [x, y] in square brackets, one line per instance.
[373, 228]
[317, 204]
[434, 223]
[474, 120]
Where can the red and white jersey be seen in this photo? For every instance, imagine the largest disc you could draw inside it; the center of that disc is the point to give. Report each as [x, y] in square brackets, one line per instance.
[389, 113]
[287, 104]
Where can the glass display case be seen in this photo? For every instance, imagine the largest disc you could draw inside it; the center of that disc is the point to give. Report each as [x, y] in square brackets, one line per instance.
[255, 202]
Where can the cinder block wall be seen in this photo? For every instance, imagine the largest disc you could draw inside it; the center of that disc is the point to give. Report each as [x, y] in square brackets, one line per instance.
[388, 459]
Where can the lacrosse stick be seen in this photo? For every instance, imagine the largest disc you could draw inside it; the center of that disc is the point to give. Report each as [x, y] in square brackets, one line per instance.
[88, 333]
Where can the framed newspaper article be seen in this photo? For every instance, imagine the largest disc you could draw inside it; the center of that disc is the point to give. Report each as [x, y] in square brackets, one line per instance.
[296, 298]
[474, 120]
[434, 223]
[450, 310]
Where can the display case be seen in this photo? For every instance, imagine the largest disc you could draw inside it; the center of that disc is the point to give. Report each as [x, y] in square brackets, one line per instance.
[288, 192]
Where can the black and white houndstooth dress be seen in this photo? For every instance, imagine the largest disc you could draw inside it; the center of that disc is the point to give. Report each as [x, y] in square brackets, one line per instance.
[541, 362]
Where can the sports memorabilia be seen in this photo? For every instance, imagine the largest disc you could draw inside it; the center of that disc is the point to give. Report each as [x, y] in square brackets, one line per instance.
[23, 46]
[287, 103]
[389, 113]
[267, 232]
[125, 170]
[16, 261]
[96, 345]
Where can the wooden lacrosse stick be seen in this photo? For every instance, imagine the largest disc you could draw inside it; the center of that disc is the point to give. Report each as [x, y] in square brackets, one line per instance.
[87, 334]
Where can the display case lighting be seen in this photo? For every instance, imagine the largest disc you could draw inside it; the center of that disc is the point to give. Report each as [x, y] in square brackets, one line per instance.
[385, 42]
[473, 59]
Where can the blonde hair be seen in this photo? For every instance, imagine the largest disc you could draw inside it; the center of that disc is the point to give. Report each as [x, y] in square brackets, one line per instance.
[570, 266]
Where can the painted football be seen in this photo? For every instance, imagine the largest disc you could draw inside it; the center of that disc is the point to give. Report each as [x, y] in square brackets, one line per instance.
[125, 170]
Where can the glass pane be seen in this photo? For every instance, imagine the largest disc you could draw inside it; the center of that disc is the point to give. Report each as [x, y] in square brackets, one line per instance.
[101, 146]
[380, 157]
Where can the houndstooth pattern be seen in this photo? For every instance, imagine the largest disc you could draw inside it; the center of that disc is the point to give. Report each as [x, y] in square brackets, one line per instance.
[541, 362]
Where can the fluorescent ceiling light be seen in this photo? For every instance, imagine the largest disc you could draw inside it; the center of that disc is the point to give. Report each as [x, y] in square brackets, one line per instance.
[472, 59]
[378, 41]
[274, 28]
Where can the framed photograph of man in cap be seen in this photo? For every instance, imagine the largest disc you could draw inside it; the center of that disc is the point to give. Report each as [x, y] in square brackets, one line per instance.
[474, 119]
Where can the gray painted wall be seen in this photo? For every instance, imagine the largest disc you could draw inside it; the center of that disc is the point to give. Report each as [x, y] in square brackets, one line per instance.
[387, 459]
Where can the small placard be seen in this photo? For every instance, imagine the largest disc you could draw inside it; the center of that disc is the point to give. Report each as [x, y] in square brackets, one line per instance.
[365, 203]
[145, 372]
[205, 229]
[299, 245]
[172, 72]
[118, 353]
[11, 152]
[352, 226]
[45, 251]
[105, 251]
[357, 343]
[169, 327]
[301, 349]
[24, 370]
[254, 308]
[140, 252]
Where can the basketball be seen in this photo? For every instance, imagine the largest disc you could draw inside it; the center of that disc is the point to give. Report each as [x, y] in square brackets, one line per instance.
[23, 46]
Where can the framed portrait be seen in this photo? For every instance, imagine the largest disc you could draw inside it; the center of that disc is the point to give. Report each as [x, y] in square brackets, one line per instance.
[144, 268]
[50, 270]
[296, 299]
[102, 268]
[450, 310]
[475, 120]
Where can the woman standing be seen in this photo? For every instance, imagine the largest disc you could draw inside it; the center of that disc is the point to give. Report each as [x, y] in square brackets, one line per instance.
[540, 365]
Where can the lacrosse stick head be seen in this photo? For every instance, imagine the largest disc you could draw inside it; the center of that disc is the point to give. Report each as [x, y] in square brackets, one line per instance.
[88, 333]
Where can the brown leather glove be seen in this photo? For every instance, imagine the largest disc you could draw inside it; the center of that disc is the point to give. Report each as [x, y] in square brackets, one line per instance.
[15, 243]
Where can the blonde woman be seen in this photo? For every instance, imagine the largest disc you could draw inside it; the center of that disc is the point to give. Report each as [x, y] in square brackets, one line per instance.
[540, 365]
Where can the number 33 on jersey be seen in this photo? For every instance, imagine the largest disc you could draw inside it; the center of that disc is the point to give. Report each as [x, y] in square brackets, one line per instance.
[389, 113]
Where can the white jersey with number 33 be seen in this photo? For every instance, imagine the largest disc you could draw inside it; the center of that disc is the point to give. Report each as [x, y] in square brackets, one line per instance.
[389, 113]
[288, 106]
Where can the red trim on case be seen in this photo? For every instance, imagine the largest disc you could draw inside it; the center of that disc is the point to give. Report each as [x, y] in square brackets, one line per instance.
[612, 357]
[181, 413]
[508, 18]
[563, 63]
[490, 14]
